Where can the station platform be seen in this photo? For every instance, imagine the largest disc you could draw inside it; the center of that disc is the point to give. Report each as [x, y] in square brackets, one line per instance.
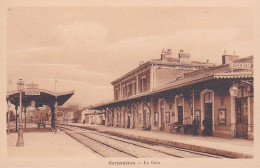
[44, 144]
[229, 147]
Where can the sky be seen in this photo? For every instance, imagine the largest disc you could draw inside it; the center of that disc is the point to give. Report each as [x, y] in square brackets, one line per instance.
[86, 48]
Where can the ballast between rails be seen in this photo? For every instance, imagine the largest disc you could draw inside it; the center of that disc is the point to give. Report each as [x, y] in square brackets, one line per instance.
[104, 134]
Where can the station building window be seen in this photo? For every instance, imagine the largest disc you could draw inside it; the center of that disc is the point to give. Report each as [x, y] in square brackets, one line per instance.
[129, 90]
[162, 105]
[124, 91]
[116, 94]
[167, 117]
[208, 97]
[143, 84]
[242, 92]
[133, 88]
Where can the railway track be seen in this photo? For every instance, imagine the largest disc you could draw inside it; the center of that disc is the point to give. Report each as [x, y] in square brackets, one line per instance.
[114, 146]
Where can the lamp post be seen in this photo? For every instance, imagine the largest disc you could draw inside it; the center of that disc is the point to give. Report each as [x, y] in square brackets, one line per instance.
[233, 93]
[233, 90]
[20, 87]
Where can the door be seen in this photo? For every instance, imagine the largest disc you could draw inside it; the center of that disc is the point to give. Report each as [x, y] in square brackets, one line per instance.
[133, 118]
[208, 117]
[128, 121]
[241, 118]
[91, 120]
[162, 119]
[162, 114]
[113, 116]
[144, 117]
[180, 114]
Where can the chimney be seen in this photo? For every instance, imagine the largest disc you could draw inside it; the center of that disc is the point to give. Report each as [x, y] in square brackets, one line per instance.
[166, 54]
[184, 57]
[229, 58]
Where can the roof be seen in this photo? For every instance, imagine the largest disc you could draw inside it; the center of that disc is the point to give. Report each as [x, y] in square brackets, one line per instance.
[181, 83]
[45, 98]
[91, 112]
[168, 62]
[219, 72]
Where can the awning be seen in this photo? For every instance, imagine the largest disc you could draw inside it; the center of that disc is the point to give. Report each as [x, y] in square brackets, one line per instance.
[179, 84]
[44, 98]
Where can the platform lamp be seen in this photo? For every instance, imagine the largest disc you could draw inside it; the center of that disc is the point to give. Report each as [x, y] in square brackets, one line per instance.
[233, 91]
[20, 87]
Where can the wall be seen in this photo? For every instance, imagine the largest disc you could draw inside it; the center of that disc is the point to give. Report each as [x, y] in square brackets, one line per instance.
[222, 130]
[146, 73]
[172, 118]
[117, 87]
[187, 113]
[165, 75]
[221, 99]
[251, 129]
[138, 122]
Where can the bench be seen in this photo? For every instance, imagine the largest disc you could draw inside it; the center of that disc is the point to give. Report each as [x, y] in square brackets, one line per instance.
[181, 128]
[146, 128]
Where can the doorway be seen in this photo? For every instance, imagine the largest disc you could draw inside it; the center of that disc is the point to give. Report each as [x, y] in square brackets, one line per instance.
[133, 126]
[162, 110]
[241, 118]
[180, 114]
[208, 118]
[128, 121]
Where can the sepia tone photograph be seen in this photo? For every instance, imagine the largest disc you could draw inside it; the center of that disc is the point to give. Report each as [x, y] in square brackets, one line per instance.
[128, 85]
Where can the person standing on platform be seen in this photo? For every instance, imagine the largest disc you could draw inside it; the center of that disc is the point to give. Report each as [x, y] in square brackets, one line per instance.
[195, 124]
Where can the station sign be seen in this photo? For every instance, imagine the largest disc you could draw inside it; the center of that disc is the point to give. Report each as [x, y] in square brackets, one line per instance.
[32, 92]
[237, 65]
[32, 89]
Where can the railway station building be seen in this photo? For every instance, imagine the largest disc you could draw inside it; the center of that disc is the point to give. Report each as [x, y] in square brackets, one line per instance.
[169, 91]
[93, 117]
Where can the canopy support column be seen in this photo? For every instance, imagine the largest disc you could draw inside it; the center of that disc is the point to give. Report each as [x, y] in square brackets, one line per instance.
[52, 118]
[24, 117]
[55, 115]
[16, 115]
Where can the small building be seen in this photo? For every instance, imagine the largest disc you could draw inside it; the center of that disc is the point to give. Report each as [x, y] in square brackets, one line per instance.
[161, 93]
[94, 117]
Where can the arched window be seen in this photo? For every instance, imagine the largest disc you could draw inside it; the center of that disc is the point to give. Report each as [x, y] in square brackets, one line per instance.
[208, 97]
[180, 101]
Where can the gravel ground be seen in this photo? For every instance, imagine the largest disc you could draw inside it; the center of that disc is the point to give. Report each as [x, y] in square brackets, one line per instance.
[104, 150]
[131, 147]
[169, 150]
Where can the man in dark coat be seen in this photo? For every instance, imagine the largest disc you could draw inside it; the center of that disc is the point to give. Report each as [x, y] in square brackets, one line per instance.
[195, 124]
[205, 124]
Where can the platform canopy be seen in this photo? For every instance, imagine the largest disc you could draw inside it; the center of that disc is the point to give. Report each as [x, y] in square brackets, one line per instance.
[40, 97]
